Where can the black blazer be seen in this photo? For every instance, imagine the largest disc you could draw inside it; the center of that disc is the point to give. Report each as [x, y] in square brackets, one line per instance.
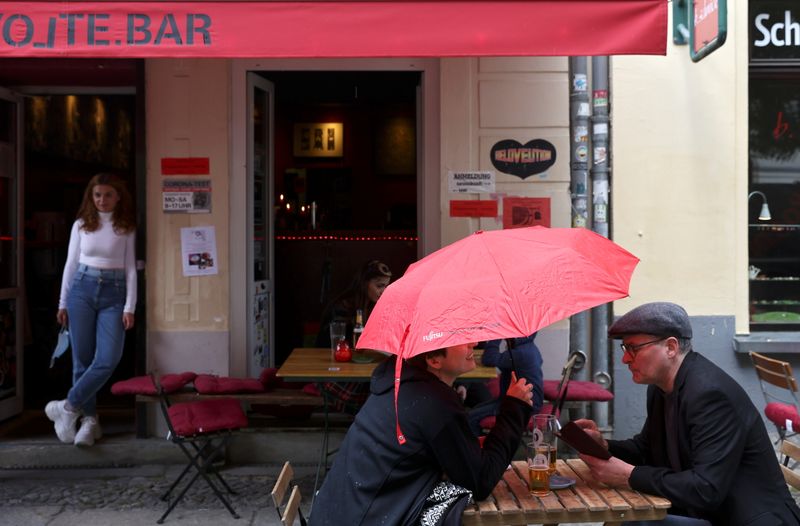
[729, 471]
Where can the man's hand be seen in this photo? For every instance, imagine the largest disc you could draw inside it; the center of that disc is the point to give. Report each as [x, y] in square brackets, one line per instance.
[127, 320]
[61, 317]
[591, 429]
[613, 472]
[520, 389]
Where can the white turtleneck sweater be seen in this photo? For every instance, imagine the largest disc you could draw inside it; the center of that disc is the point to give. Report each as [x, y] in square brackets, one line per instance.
[104, 249]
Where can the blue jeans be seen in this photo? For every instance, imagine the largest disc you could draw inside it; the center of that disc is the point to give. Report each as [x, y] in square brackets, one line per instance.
[94, 306]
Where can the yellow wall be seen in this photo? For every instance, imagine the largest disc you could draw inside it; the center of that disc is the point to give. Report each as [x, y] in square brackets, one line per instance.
[679, 187]
[187, 116]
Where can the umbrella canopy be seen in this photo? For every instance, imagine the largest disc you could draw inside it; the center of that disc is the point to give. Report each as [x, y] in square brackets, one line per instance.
[497, 284]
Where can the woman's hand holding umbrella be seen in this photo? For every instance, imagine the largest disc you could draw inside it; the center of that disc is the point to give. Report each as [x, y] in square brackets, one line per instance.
[520, 389]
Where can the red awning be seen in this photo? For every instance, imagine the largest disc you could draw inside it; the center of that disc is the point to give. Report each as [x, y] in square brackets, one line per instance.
[391, 28]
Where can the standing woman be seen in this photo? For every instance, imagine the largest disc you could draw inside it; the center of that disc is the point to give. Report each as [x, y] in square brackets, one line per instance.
[98, 299]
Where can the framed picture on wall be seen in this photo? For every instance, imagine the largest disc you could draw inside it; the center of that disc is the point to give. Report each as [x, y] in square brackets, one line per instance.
[318, 139]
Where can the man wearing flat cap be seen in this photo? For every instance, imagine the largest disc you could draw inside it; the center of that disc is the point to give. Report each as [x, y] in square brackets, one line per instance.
[703, 446]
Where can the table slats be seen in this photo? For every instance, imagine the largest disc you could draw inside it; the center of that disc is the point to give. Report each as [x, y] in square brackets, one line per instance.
[588, 500]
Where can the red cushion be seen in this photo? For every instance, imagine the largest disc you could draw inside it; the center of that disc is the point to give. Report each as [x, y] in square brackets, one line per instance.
[578, 390]
[269, 379]
[206, 416]
[144, 384]
[212, 384]
[312, 389]
[779, 413]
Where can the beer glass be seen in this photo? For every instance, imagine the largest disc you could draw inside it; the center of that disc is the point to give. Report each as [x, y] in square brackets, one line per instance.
[545, 427]
[338, 332]
[539, 469]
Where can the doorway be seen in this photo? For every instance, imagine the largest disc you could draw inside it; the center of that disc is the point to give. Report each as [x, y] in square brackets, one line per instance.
[314, 78]
[68, 138]
[79, 117]
[344, 188]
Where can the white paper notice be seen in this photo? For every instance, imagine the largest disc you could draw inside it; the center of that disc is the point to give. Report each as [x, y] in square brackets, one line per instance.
[199, 251]
[471, 182]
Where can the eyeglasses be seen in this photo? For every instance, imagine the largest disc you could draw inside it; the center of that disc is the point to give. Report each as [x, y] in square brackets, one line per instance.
[633, 349]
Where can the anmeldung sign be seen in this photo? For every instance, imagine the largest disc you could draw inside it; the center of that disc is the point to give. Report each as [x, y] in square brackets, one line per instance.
[471, 182]
[189, 196]
[534, 157]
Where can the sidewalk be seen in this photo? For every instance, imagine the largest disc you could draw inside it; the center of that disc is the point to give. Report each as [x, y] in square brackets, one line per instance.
[130, 496]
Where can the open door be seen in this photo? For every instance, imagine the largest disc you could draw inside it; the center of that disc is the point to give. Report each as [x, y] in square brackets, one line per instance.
[11, 269]
[260, 298]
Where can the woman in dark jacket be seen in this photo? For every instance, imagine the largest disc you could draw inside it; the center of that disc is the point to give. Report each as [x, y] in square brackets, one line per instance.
[376, 480]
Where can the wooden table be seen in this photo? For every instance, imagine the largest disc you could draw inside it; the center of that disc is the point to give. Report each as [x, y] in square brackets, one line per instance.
[587, 501]
[314, 364]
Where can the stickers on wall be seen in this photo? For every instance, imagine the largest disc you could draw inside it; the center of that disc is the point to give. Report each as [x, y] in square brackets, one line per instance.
[600, 98]
[523, 160]
[600, 154]
[579, 82]
[581, 153]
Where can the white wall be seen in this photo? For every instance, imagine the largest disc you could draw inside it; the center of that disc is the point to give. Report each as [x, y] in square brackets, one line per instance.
[187, 116]
[487, 100]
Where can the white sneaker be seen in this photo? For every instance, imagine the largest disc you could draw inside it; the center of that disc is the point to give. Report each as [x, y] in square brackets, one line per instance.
[64, 420]
[88, 432]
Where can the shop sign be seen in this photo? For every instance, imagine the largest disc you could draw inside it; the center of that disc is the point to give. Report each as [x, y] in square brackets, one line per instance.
[534, 157]
[708, 27]
[321, 28]
[189, 196]
[774, 31]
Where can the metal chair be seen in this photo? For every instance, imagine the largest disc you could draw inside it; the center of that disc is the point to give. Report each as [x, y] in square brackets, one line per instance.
[291, 510]
[779, 387]
[202, 430]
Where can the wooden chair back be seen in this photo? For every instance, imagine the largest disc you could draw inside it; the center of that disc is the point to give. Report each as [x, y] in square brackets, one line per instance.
[289, 513]
[792, 451]
[775, 372]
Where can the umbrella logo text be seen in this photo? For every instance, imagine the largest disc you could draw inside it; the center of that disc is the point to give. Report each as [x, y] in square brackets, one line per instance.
[432, 336]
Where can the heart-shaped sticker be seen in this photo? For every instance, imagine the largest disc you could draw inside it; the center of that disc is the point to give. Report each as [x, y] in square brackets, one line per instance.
[534, 157]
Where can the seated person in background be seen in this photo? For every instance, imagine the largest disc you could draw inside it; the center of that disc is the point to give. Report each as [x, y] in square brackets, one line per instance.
[704, 445]
[521, 356]
[363, 292]
[377, 480]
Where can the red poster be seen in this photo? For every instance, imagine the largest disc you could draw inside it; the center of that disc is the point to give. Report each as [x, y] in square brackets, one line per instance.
[526, 211]
[184, 166]
[487, 208]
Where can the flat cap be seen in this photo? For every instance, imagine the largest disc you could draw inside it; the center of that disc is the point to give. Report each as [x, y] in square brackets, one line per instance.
[659, 319]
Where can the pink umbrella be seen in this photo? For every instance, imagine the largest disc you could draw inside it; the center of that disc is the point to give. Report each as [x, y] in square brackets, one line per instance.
[496, 284]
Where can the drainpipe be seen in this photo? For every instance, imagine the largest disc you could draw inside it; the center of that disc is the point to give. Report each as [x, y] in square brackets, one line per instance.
[600, 206]
[579, 112]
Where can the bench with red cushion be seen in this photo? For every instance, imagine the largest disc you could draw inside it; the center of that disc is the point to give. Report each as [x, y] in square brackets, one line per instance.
[578, 391]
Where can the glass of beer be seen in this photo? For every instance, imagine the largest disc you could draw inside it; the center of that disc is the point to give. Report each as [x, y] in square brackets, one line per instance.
[539, 469]
[545, 427]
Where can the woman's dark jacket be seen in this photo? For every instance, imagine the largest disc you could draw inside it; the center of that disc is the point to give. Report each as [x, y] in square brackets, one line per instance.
[377, 481]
